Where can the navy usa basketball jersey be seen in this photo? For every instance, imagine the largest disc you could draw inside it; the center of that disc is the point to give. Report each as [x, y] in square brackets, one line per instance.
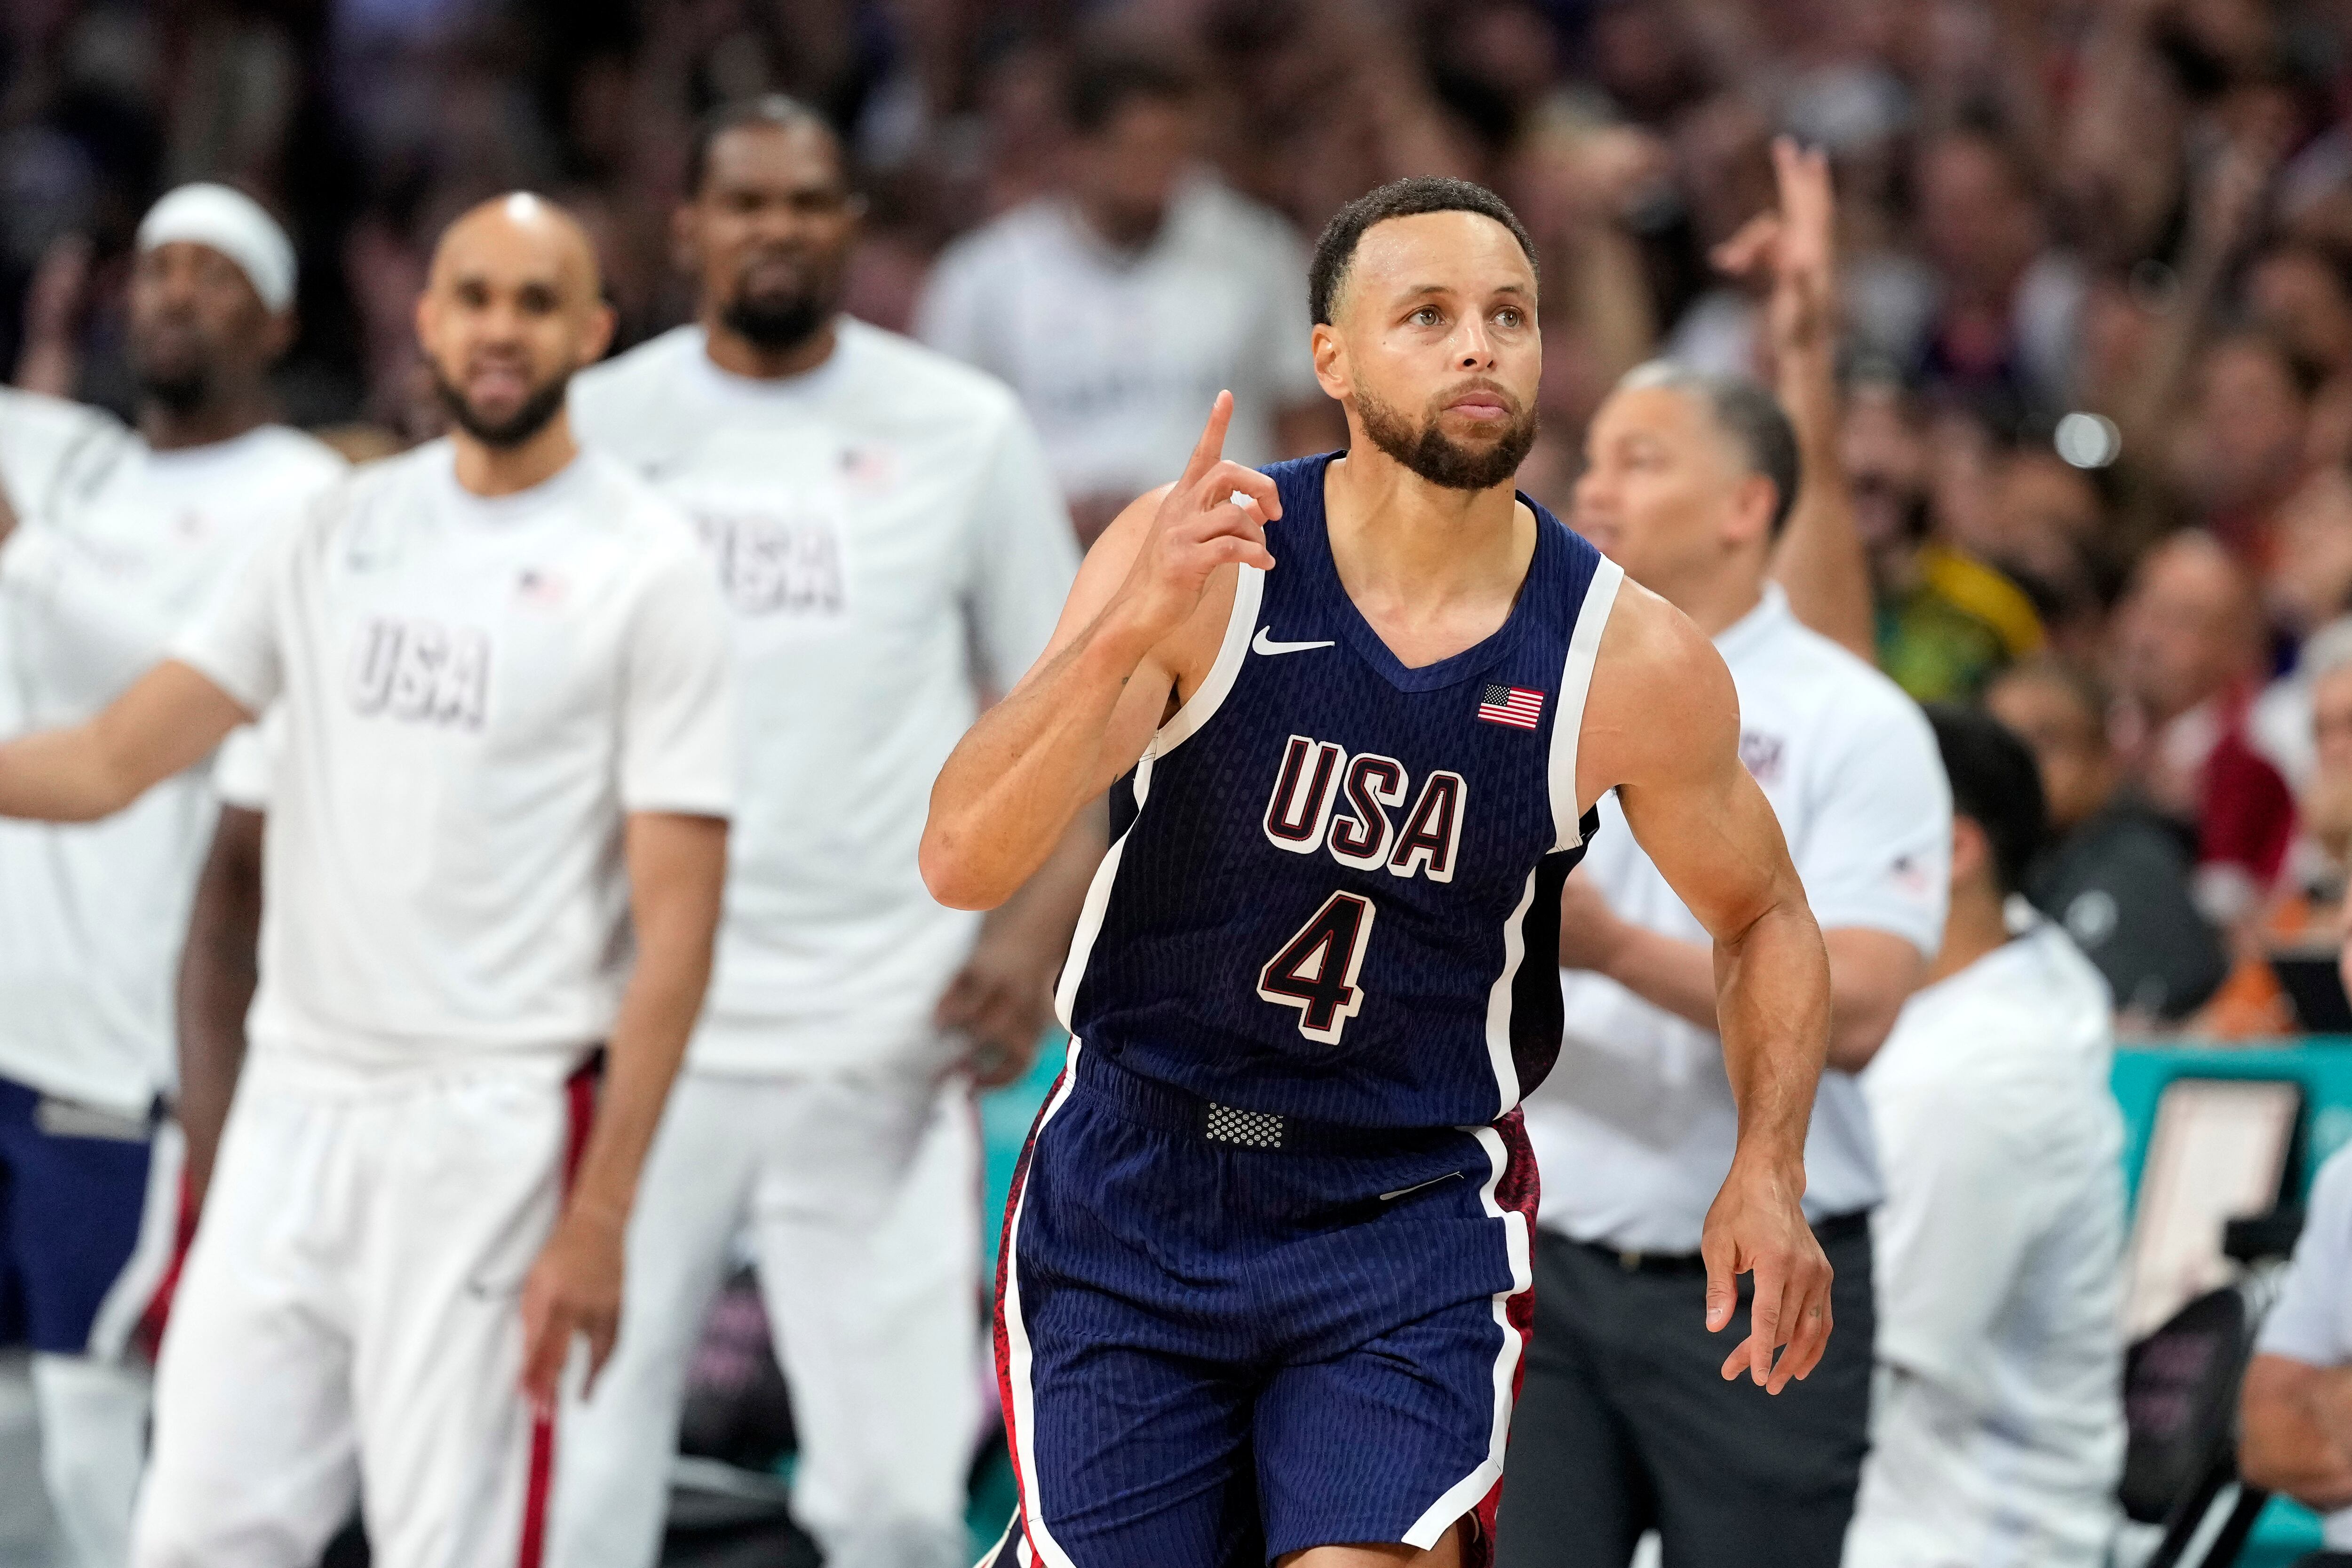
[1333, 886]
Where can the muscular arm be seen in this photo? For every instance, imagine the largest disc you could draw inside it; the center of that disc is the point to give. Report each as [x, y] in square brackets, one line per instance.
[1712, 835]
[678, 867]
[1872, 972]
[169, 720]
[218, 972]
[1135, 624]
[2293, 1421]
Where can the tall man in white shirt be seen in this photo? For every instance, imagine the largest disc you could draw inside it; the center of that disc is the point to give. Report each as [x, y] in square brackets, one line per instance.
[508, 759]
[1997, 1419]
[1627, 1423]
[1118, 307]
[117, 540]
[881, 517]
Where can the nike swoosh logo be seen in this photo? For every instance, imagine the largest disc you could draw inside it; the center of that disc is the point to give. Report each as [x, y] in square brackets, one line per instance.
[1402, 1192]
[1265, 644]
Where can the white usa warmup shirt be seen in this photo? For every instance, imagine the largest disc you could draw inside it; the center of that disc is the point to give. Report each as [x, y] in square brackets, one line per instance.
[1115, 354]
[118, 551]
[1997, 1419]
[1635, 1126]
[41, 438]
[878, 524]
[2313, 1321]
[474, 692]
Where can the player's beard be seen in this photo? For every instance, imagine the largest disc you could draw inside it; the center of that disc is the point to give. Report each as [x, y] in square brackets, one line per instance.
[528, 418]
[775, 321]
[1437, 456]
[182, 391]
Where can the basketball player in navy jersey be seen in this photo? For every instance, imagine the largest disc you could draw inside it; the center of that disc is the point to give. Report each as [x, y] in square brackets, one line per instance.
[1264, 1286]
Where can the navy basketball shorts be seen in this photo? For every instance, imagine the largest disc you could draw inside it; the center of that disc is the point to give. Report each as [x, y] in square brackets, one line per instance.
[89, 1219]
[1215, 1351]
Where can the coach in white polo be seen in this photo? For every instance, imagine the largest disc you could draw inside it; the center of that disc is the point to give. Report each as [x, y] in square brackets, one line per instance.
[1626, 1423]
[890, 541]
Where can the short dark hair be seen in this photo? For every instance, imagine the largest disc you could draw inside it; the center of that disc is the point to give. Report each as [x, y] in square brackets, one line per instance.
[1335, 250]
[1103, 82]
[1996, 784]
[774, 110]
[1744, 410]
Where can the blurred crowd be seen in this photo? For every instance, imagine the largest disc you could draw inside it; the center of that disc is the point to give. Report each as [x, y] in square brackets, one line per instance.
[2095, 266]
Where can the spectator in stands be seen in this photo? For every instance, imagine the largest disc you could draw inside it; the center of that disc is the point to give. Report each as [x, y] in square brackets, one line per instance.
[2188, 642]
[1997, 1421]
[2237, 447]
[1119, 308]
[1947, 622]
[2295, 1410]
[2004, 332]
[2115, 875]
[2302, 293]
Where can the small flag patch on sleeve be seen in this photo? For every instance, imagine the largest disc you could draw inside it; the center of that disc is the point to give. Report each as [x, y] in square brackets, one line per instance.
[1514, 705]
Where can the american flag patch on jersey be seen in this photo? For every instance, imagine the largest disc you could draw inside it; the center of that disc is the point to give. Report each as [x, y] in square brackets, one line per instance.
[1513, 705]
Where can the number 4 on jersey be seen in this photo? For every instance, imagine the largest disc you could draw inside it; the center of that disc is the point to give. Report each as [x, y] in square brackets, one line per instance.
[1315, 969]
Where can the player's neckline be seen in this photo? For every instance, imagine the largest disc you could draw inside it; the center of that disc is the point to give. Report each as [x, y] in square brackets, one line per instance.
[1366, 640]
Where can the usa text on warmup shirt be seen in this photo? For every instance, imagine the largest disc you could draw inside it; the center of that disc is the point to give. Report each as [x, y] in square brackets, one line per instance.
[116, 552]
[2313, 1321]
[1333, 890]
[877, 526]
[1997, 1425]
[1634, 1133]
[475, 691]
[1117, 355]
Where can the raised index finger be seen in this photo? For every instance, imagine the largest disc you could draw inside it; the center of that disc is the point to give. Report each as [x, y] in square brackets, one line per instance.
[1212, 444]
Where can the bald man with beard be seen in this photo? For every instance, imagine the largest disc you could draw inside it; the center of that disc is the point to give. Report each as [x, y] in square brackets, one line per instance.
[496, 844]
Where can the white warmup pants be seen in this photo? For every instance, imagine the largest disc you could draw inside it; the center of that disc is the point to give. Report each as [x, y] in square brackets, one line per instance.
[347, 1324]
[93, 1408]
[861, 1197]
[93, 1416]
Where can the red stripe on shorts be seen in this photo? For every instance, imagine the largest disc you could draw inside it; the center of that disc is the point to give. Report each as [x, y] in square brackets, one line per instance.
[580, 1113]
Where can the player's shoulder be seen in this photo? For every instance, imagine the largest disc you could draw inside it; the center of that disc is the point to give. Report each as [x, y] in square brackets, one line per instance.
[918, 381]
[38, 415]
[629, 510]
[297, 457]
[605, 396]
[1826, 683]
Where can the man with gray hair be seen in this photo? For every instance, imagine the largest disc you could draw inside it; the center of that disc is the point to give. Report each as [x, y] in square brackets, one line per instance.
[1629, 1416]
[109, 546]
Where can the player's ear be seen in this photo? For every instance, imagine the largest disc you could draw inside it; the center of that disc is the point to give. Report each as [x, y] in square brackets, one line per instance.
[1331, 362]
[1753, 502]
[1971, 851]
[686, 238]
[602, 321]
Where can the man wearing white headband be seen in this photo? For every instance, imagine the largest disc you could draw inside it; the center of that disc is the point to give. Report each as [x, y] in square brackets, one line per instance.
[106, 552]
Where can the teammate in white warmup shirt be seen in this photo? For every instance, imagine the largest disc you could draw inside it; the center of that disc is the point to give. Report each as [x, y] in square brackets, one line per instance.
[880, 514]
[501, 669]
[117, 540]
